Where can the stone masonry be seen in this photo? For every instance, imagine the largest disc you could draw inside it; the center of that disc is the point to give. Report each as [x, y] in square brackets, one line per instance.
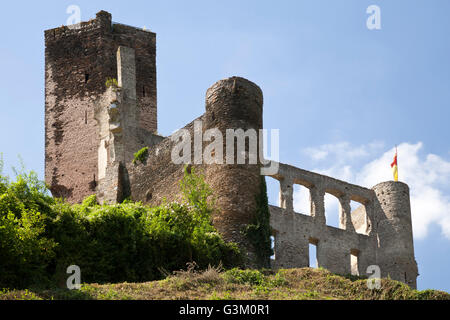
[93, 130]
[378, 232]
[78, 62]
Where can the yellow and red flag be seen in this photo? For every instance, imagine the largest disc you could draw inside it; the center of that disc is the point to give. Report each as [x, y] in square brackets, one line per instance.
[394, 166]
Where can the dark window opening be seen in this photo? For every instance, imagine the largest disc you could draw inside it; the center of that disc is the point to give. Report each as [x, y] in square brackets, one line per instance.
[93, 184]
[86, 77]
[143, 91]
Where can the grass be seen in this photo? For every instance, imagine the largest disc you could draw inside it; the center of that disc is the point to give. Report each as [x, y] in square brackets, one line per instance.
[216, 284]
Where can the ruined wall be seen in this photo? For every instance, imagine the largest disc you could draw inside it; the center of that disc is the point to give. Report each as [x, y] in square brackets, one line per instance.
[144, 44]
[92, 132]
[234, 103]
[294, 232]
[378, 232]
[77, 63]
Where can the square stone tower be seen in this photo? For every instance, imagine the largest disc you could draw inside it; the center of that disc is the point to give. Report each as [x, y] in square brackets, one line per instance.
[78, 61]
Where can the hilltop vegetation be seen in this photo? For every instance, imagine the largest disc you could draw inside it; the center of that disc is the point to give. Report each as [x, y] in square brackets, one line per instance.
[234, 284]
[41, 236]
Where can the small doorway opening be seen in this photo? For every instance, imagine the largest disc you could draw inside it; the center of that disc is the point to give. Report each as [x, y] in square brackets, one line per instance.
[354, 253]
[313, 263]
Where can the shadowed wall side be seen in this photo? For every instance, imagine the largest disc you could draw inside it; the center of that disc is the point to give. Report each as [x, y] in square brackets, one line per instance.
[235, 103]
[78, 61]
[395, 252]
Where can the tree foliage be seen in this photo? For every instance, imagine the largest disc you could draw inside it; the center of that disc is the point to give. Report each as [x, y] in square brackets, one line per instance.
[41, 236]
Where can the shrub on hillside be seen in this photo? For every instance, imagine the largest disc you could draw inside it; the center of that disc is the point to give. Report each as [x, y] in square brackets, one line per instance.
[40, 236]
[24, 250]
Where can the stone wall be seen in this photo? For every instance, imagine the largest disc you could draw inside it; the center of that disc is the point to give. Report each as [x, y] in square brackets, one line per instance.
[92, 133]
[233, 103]
[378, 232]
[77, 63]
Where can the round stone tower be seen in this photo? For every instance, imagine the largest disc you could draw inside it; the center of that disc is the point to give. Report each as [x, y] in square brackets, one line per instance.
[395, 250]
[235, 106]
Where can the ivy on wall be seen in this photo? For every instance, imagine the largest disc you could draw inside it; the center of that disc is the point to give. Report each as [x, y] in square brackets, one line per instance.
[259, 232]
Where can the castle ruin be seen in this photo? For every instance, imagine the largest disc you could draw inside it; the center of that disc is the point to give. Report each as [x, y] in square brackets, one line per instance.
[92, 132]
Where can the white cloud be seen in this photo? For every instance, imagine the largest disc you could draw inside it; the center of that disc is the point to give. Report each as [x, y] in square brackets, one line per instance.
[427, 176]
[301, 200]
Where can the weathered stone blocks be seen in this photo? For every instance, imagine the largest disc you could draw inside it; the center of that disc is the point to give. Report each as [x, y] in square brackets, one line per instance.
[78, 61]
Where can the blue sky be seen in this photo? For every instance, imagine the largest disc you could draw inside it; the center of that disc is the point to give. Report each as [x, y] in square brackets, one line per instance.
[341, 95]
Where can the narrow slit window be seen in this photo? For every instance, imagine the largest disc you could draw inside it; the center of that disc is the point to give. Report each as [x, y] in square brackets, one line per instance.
[86, 77]
[272, 244]
[313, 263]
[354, 262]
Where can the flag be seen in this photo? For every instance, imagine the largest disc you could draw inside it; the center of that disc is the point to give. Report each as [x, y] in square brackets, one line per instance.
[394, 166]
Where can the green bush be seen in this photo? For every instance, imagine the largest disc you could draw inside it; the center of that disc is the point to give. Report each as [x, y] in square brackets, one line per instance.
[40, 236]
[141, 155]
[111, 82]
[24, 250]
[251, 277]
[259, 231]
[255, 278]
